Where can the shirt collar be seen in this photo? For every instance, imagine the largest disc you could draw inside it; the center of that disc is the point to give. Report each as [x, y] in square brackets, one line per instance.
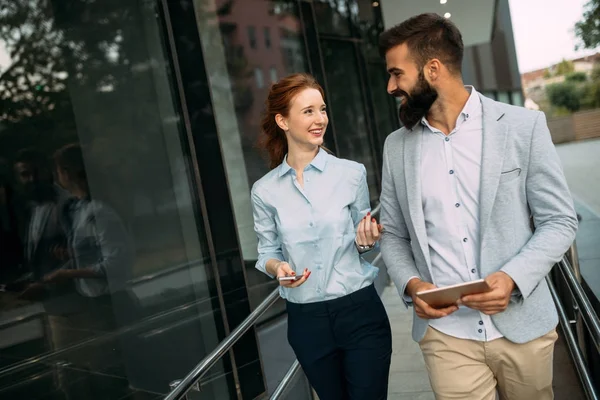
[319, 162]
[473, 103]
[471, 108]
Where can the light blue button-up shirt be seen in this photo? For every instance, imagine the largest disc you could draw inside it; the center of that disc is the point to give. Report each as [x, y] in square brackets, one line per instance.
[314, 227]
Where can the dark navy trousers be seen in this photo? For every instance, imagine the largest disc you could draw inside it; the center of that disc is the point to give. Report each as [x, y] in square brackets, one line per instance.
[343, 345]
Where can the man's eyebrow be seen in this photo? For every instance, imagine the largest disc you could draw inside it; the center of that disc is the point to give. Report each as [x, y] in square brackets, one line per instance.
[395, 70]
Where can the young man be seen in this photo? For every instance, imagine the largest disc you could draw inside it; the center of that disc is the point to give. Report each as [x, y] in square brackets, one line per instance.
[462, 182]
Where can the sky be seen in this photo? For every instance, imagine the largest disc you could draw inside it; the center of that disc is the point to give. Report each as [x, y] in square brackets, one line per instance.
[544, 31]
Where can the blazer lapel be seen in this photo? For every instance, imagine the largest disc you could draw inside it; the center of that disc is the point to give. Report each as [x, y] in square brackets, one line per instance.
[494, 142]
[412, 175]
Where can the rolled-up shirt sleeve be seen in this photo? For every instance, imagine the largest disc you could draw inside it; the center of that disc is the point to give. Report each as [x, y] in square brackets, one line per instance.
[361, 205]
[269, 245]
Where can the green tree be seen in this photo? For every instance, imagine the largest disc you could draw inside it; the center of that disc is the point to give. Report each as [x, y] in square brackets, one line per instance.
[566, 95]
[588, 29]
[595, 75]
[576, 77]
[590, 95]
[564, 67]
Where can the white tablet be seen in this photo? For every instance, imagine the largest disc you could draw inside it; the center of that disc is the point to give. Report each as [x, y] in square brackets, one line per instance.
[449, 295]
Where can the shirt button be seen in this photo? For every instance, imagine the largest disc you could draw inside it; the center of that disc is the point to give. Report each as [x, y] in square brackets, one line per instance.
[465, 240]
[451, 171]
[311, 224]
[480, 331]
[447, 139]
[467, 115]
[480, 322]
[473, 270]
[457, 204]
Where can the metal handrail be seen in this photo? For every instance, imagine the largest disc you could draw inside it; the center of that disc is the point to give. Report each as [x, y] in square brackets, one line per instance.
[576, 354]
[584, 305]
[180, 388]
[376, 210]
[286, 381]
[187, 383]
[97, 340]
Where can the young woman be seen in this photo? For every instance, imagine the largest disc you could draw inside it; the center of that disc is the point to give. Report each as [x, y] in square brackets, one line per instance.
[312, 218]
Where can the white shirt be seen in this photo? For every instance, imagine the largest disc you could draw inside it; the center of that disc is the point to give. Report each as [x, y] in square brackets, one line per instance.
[450, 176]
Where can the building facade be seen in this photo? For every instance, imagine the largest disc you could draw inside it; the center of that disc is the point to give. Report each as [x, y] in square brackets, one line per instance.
[128, 136]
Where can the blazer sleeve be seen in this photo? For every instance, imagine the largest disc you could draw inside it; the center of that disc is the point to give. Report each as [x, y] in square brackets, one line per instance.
[395, 239]
[553, 213]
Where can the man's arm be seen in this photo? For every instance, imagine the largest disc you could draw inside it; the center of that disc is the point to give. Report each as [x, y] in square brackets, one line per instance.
[553, 214]
[395, 239]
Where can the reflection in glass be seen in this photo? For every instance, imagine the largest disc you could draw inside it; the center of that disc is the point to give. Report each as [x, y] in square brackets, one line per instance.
[347, 108]
[267, 33]
[333, 17]
[103, 264]
[238, 103]
[259, 78]
[384, 113]
[239, 87]
[252, 37]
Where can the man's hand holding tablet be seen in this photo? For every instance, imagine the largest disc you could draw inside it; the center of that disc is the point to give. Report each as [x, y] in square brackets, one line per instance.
[431, 302]
[451, 295]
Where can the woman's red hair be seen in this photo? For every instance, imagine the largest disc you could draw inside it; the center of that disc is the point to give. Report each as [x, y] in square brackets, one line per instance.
[280, 98]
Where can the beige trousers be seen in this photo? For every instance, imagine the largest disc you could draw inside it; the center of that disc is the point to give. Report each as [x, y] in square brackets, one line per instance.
[468, 369]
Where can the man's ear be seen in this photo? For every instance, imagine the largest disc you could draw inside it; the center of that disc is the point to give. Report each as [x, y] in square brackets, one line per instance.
[432, 70]
[281, 122]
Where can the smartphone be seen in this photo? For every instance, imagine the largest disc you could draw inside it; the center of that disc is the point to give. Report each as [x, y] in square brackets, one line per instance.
[289, 278]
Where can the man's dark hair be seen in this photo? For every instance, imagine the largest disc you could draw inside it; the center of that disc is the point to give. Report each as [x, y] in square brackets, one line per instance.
[427, 36]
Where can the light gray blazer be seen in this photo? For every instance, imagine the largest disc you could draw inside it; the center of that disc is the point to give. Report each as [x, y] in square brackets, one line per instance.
[521, 177]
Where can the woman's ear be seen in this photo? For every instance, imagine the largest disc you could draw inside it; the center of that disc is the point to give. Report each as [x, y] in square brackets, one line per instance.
[281, 122]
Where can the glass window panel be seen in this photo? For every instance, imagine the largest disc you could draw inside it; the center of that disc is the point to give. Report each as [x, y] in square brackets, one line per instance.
[237, 106]
[347, 108]
[234, 94]
[103, 252]
[259, 78]
[363, 11]
[517, 98]
[252, 37]
[503, 97]
[267, 38]
[491, 95]
[332, 17]
[382, 101]
[273, 73]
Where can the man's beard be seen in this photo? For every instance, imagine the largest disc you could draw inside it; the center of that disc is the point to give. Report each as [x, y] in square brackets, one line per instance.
[416, 105]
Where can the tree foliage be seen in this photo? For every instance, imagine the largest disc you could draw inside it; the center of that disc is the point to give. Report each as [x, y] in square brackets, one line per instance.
[576, 77]
[564, 68]
[565, 95]
[588, 29]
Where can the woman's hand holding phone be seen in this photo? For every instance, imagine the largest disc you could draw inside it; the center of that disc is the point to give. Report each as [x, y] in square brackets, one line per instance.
[288, 278]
